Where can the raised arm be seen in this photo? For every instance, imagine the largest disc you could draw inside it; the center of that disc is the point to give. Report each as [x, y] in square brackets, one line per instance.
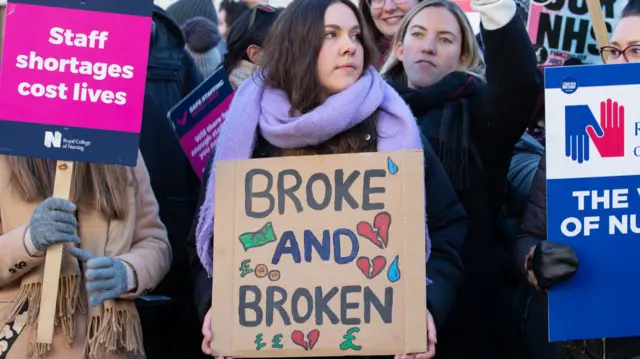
[514, 83]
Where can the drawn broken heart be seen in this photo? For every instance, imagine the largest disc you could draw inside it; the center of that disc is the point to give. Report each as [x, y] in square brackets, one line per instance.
[378, 234]
[371, 268]
[298, 339]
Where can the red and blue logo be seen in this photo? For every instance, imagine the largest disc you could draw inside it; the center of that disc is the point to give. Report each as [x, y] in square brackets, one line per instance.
[607, 134]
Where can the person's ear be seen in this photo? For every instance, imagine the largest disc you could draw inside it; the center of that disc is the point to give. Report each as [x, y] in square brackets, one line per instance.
[254, 52]
[463, 62]
[400, 51]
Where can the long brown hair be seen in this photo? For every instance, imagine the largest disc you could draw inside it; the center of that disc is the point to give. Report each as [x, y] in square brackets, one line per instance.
[290, 63]
[102, 187]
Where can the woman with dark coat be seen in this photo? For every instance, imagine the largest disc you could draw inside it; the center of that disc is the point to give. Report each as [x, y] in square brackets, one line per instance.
[446, 219]
[473, 123]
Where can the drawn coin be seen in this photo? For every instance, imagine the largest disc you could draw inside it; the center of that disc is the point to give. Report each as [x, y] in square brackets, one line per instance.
[274, 275]
[261, 270]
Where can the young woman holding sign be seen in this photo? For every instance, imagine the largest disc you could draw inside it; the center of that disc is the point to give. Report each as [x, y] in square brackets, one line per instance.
[288, 110]
[111, 227]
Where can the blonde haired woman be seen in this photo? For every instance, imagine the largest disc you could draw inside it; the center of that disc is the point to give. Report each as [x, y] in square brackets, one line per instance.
[473, 124]
[116, 249]
[469, 56]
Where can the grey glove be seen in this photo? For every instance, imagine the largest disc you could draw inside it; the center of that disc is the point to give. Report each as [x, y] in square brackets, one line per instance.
[53, 222]
[106, 277]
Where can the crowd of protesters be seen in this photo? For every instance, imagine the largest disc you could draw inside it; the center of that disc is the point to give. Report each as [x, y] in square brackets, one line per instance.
[136, 275]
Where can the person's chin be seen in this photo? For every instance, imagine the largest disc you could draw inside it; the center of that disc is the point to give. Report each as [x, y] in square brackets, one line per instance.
[389, 31]
[339, 87]
[423, 82]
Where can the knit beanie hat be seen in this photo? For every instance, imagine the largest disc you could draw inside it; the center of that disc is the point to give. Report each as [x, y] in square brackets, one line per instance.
[202, 38]
[183, 10]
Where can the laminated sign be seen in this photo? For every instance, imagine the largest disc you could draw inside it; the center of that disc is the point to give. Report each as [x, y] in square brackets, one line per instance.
[72, 82]
[320, 256]
[593, 198]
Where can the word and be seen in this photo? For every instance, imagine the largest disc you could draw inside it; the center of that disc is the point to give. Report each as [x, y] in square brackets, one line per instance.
[288, 244]
[289, 181]
[316, 305]
[601, 200]
[348, 340]
[378, 234]
[80, 91]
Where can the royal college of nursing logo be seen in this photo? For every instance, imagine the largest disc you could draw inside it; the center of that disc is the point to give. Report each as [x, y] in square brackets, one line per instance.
[52, 139]
[582, 126]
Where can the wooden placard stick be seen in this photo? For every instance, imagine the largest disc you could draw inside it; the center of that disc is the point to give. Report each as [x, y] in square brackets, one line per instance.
[597, 21]
[53, 262]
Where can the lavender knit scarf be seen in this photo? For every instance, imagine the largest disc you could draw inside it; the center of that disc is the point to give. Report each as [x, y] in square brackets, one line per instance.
[255, 107]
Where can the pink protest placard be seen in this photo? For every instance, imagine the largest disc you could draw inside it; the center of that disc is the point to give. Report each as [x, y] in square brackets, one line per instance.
[198, 118]
[72, 79]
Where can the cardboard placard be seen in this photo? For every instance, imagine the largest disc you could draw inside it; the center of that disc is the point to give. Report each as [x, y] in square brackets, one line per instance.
[197, 119]
[562, 29]
[593, 197]
[72, 79]
[320, 256]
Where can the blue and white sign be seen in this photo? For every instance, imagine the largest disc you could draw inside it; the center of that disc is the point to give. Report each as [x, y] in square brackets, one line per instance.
[593, 198]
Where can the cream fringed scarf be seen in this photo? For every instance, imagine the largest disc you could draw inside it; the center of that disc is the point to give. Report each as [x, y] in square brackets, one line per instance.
[113, 327]
[242, 72]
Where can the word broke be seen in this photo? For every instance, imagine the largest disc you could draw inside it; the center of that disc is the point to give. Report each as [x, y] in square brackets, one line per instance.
[339, 189]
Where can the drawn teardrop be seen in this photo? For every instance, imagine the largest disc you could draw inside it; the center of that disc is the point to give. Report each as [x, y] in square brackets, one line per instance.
[393, 168]
[393, 273]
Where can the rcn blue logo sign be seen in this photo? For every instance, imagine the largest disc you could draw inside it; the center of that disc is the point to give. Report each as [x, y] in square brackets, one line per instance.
[606, 133]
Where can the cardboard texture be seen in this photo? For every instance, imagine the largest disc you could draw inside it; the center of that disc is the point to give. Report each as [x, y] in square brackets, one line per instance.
[320, 256]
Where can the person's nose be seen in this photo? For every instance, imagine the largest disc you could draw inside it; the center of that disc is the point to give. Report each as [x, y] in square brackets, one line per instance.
[389, 6]
[429, 46]
[347, 46]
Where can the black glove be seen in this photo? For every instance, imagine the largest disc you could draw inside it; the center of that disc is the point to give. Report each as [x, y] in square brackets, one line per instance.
[552, 263]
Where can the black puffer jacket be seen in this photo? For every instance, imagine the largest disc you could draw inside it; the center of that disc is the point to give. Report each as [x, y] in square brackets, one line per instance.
[447, 224]
[533, 231]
